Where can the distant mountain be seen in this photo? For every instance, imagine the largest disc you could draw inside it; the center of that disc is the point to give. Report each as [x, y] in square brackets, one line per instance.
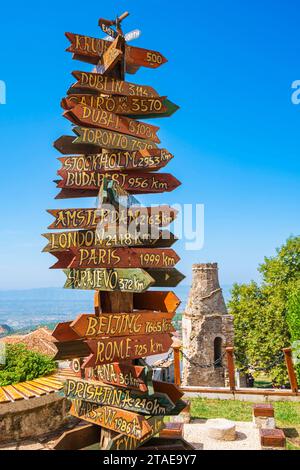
[24, 310]
[5, 330]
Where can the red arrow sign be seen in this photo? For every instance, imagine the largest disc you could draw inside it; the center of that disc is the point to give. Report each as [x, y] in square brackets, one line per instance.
[115, 258]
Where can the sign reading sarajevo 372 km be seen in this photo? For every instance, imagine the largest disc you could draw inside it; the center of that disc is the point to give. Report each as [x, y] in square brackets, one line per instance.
[117, 248]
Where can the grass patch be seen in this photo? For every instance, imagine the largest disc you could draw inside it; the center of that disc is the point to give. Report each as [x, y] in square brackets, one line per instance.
[205, 408]
[287, 415]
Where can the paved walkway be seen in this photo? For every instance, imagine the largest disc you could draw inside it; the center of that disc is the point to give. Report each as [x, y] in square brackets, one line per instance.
[247, 437]
[195, 433]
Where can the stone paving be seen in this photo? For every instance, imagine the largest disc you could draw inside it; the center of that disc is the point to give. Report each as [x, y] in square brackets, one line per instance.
[247, 437]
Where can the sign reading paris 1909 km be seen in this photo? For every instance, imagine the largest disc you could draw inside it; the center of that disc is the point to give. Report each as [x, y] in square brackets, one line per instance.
[118, 248]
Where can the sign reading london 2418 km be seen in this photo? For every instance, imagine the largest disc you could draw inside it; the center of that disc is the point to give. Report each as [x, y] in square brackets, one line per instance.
[114, 245]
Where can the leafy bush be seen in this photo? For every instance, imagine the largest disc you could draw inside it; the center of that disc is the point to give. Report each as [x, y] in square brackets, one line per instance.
[267, 316]
[22, 364]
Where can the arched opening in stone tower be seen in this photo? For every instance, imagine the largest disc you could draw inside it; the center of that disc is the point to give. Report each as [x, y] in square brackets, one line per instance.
[218, 351]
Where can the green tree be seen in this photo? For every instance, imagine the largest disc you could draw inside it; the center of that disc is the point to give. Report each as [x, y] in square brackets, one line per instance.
[22, 364]
[261, 312]
[293, 321]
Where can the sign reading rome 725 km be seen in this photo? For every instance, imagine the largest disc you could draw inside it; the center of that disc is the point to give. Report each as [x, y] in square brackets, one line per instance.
[115, 246]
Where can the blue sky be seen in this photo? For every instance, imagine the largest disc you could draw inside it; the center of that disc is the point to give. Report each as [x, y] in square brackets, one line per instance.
[235, 138]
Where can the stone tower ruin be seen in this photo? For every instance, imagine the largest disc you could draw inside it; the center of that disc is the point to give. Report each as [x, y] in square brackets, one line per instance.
[206, 329]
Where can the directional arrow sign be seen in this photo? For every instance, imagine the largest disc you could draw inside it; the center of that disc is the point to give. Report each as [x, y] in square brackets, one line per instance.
[110, 140]
[120, 421]
[88, 325]
[122, 442]
[117, 374]
[124, 280]
[133, 182]
[109, 86]
[112, 55]
[120, 349]
[82, 258]
[65, 145]
[134, 34]
[162, 301]
[143, 217]
[149, 160]
[157, 404]
[105, 26]
[89, 49]
[166, 277]
[124, 105]
[122, 324]
[70, 349]
[59, 241]
[98, 118]
[144, 57]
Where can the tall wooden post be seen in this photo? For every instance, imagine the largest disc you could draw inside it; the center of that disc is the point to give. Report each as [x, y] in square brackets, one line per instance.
[230, 365]
[126, 327]
[177, 378]
[291, 370]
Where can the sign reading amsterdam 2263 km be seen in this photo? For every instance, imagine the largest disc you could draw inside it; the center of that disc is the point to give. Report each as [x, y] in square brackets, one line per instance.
[116, 247]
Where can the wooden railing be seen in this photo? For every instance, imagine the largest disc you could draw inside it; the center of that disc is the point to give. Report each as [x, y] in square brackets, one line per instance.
[294, 390]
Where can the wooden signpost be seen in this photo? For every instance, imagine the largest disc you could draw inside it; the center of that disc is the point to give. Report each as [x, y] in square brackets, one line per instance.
[123, 442]
[124, 280]
[110, 140]
[59, 241]
[157, 404]
[118, 249]
[110, 86]
[159, 216]
[109, 350]
[149, 160]
[82, 258]
[93, 117]
[133, 106]
[112, 54]
[89, 49]
[126, 422]
[133, 182]
[138, 322]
